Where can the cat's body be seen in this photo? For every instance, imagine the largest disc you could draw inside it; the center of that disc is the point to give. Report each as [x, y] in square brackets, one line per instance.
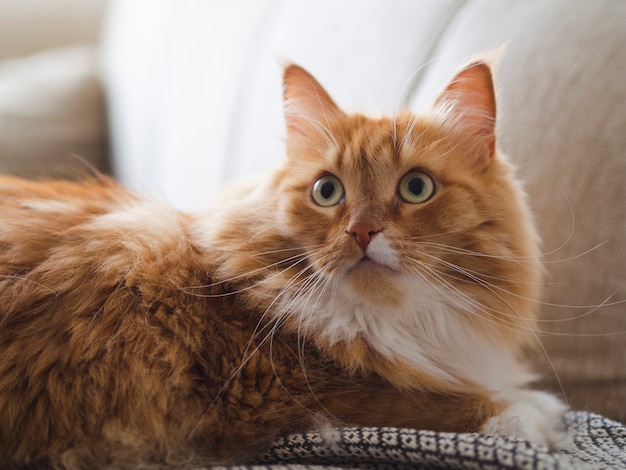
[387, 275]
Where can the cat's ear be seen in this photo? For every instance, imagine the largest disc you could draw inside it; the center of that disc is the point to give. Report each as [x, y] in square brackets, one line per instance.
[469, 103]
[308, 108]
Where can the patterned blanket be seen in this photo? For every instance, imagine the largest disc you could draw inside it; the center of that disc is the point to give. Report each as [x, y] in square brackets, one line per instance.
[598, 443]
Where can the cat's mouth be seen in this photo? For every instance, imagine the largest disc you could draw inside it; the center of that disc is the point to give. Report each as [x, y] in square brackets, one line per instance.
[369, 264]
[375, 281]
[378, 259]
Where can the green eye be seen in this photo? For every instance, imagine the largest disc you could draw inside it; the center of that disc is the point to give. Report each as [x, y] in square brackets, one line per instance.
[416, 187]
[327, 191]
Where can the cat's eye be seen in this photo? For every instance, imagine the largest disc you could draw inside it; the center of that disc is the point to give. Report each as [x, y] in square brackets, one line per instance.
[416, 187]
[327, 191]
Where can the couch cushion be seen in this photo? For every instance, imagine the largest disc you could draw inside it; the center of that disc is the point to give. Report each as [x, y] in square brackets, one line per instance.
[28, 26]
[196, 97]
[52, 113]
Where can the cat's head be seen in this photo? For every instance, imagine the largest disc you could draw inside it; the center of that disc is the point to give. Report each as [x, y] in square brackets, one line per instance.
[404, 235]
[400, 210]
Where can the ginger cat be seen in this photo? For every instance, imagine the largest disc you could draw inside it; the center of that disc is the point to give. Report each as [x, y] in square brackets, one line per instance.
[386, 275]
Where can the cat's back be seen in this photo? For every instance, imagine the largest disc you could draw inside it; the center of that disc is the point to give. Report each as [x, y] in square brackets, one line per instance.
[39, 209]
[62, 238]
[85, 269]
[37, 216]
[95, 189]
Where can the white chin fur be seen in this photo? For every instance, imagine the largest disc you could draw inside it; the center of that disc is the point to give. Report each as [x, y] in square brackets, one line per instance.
[532, 415]
[380, 251]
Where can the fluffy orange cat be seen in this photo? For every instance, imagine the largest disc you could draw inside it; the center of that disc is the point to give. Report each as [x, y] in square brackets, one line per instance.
[386, 275]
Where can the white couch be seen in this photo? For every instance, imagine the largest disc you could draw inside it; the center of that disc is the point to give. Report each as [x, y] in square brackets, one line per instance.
[194, 96]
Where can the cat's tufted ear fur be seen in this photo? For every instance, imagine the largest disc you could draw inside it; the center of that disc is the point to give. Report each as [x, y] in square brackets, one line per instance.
[309, 110]
[468, 102]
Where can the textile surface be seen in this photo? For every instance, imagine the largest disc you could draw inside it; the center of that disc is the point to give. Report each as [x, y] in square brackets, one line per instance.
[596, 443]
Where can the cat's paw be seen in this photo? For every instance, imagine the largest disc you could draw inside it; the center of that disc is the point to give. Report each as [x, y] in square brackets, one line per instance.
[536, 416]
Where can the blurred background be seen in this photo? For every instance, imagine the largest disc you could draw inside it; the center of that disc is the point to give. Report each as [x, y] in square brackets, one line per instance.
[178, 97]
[51, 101]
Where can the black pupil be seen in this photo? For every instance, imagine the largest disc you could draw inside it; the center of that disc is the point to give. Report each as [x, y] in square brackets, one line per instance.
[416, 185]
[327, 189]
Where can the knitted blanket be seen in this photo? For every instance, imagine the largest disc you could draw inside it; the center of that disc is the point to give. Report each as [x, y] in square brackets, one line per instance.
[597, 443]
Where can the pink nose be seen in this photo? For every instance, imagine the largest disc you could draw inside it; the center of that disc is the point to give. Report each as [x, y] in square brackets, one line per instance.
[364, 232]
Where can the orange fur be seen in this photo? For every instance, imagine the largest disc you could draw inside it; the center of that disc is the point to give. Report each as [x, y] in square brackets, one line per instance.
[131, 333]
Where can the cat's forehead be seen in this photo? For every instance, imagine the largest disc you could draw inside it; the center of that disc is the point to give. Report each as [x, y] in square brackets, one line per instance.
[365, 152]
[375, 147]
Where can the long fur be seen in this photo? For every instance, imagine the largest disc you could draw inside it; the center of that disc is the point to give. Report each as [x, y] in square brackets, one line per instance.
[134, 335]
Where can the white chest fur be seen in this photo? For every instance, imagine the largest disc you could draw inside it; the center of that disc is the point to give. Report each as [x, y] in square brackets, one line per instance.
[431, 329]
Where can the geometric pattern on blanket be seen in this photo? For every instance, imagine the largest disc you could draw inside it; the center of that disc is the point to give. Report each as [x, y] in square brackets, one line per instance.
[597, 443]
